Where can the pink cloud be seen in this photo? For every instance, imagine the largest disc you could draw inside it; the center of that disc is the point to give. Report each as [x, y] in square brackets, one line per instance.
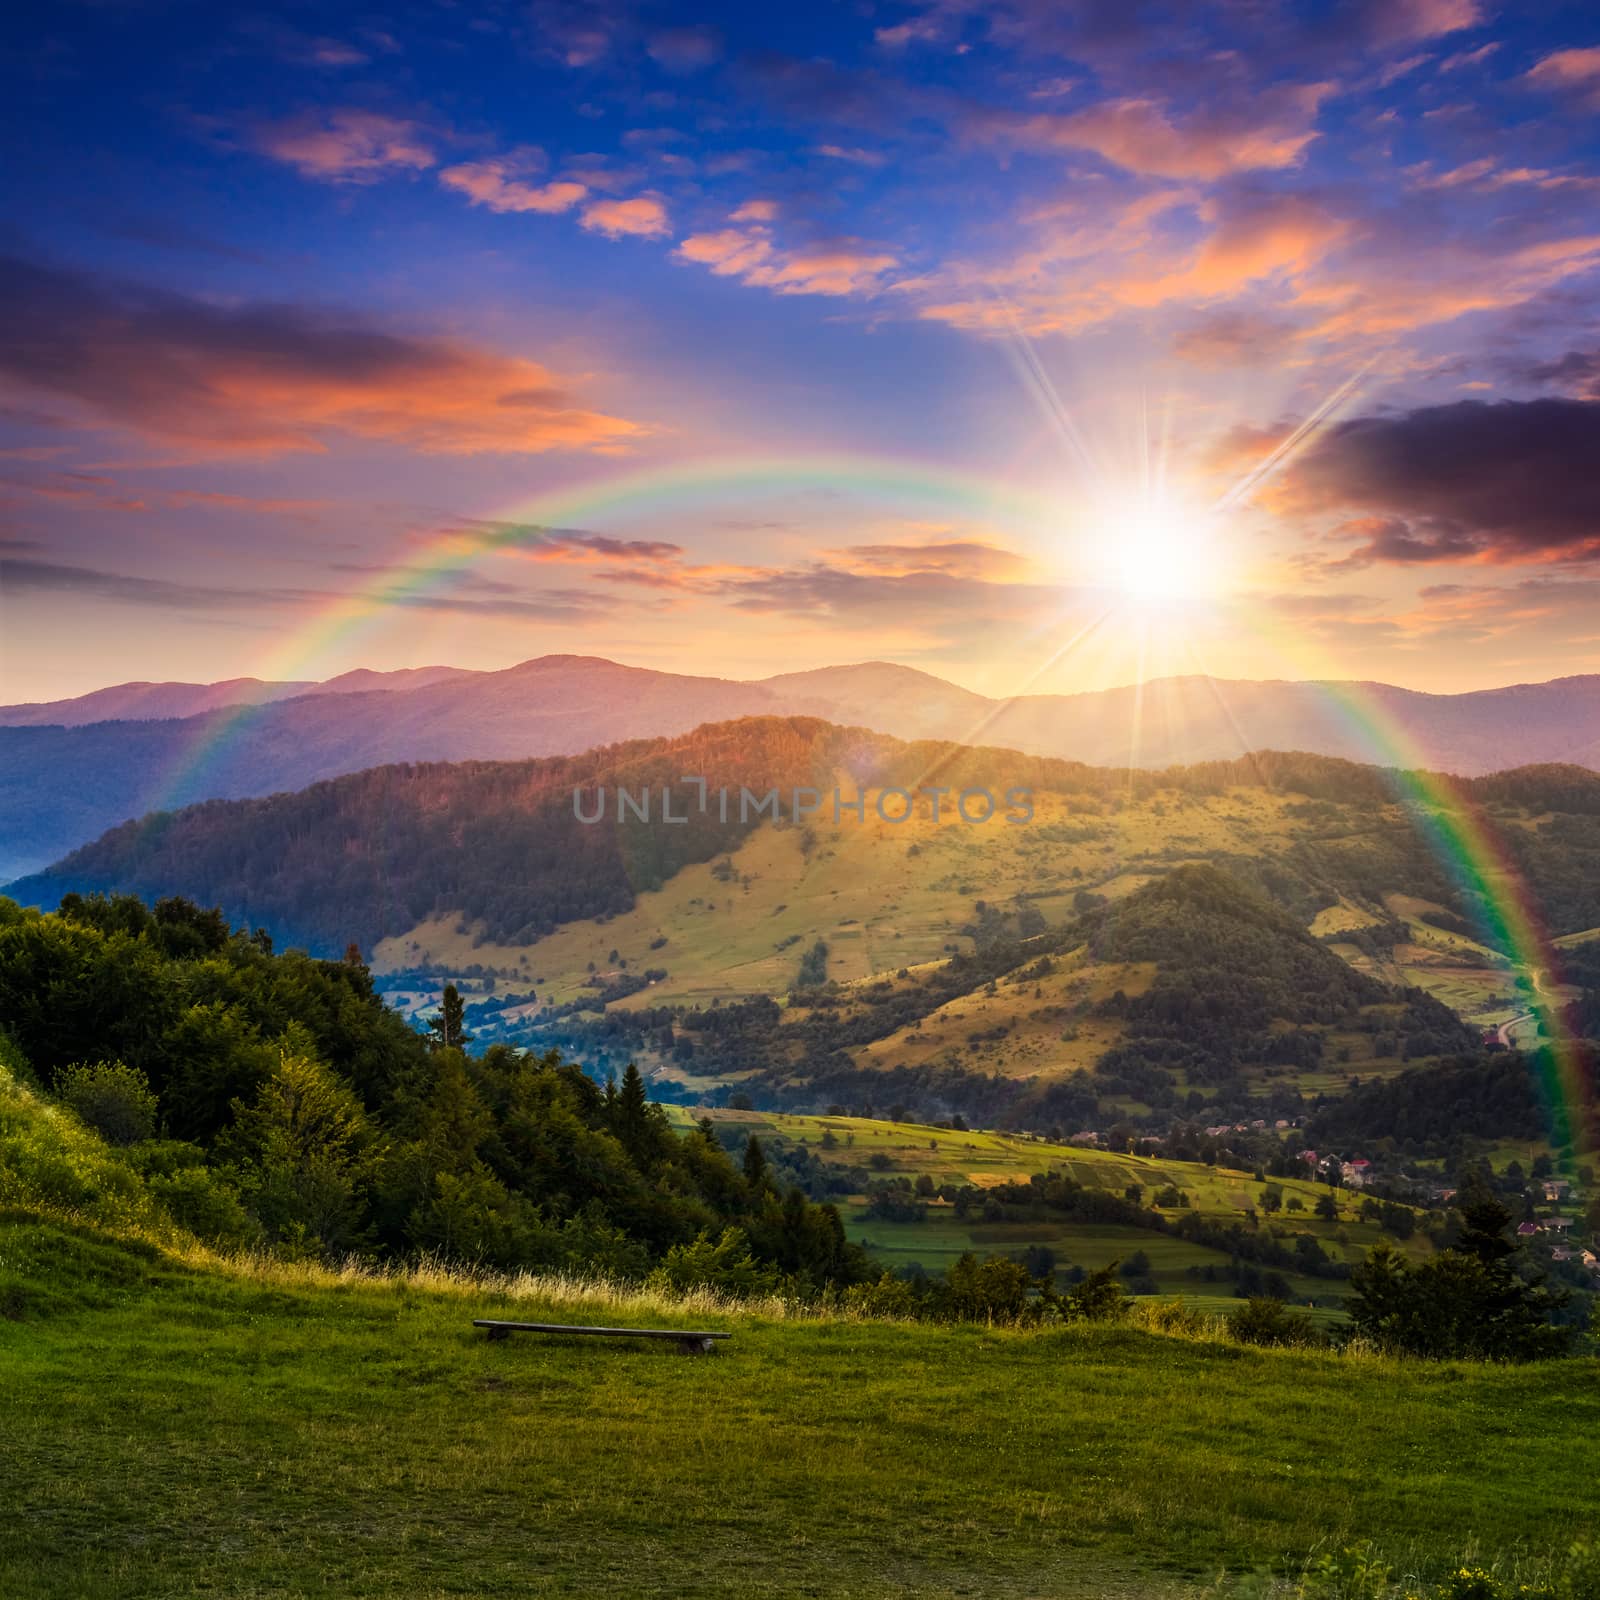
[501, 184]
[347, 146]
[1269, 132]
[268, 379]
[644, 217]
[1568, 70]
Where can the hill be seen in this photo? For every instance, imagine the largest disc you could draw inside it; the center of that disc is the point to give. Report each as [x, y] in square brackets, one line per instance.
[71, 769]
[336, 1432]
[860, 944]
[1192, 996]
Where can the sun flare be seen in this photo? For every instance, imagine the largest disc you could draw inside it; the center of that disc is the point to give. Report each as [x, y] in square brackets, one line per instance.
[1158, 550]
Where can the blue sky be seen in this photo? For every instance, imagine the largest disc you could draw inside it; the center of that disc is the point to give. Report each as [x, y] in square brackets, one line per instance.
[1269, 328]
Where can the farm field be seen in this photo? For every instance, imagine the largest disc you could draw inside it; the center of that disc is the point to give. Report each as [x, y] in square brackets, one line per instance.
[889, 1149]
[182, 1427]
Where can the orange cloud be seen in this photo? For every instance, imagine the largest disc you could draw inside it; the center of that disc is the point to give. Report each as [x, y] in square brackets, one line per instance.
[836, 267]
[965, 558]
[1282, 236]
[501, 185]
[728, 253]
[347, 146]
[1140, 135]
[268, 379]
[644, 217]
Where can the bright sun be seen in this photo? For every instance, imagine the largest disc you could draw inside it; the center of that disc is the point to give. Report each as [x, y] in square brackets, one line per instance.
[1159, 551]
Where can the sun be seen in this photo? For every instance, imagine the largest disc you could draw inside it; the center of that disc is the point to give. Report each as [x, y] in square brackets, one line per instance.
[1158, 551]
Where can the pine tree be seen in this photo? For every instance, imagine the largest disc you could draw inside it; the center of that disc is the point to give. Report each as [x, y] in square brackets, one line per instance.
[755, 1163]
[449, 1026]
[631, 1117]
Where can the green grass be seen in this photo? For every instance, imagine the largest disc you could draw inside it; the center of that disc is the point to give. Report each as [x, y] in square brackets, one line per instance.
[179, 1429]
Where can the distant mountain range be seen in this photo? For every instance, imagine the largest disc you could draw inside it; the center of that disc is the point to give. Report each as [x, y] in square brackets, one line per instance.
[71, 769]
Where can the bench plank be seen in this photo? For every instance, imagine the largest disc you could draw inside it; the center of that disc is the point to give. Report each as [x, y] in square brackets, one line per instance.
[695, 1340]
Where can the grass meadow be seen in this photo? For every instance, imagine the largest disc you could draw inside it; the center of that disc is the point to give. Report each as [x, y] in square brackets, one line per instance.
[178, 1425]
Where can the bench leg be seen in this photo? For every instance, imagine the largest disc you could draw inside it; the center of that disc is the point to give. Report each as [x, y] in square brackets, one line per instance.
[498, 1333]
[698, 1347]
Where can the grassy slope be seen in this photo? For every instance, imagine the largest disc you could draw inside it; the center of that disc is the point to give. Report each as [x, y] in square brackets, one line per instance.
[983, 1158]
[880, 907]
[176, 1430]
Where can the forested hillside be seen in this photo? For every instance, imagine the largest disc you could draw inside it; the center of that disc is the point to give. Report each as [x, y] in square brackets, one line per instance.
[496, 844]
[274, 1099]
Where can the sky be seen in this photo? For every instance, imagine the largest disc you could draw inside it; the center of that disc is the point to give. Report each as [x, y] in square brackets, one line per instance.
[1042, 345]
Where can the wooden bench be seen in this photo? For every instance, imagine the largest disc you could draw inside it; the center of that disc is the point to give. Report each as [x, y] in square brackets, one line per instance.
[693, 1342]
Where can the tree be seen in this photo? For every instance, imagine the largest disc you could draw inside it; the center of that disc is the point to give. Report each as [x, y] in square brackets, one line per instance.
[1468, 1300]
[1272, 1198]
[448, 1027]
[304, 1154]
[755, 1163]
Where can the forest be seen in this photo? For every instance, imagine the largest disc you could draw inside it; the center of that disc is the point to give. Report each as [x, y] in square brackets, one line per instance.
[273, 1099]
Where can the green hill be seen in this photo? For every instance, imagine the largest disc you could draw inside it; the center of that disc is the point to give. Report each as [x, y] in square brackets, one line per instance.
[1190, 996]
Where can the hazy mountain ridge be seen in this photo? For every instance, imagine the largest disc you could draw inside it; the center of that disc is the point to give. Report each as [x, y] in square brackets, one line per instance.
[61, 785]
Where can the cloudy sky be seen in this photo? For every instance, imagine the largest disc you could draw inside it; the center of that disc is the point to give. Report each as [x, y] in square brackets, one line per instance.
[1049, 343]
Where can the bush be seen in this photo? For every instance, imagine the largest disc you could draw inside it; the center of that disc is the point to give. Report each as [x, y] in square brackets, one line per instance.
[995, 1290]
[111, 1098]
[889, 1297]
[725, 1263]
[197, 1199]
[1096, 1297]
[1266, 1321]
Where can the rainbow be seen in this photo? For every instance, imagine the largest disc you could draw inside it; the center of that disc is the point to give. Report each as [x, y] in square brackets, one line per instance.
[450, 554]
[1453, 823]
[1477, 859]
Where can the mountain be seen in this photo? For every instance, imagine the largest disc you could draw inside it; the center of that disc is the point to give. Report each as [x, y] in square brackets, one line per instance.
[60, 786]
[66, 781]
[145, 702]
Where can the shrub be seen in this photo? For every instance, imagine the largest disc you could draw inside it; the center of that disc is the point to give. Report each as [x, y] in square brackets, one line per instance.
[1265, 1321]
[197, 1199]
[113, 1099]
[995, 1290]
[890, 1297]
[725, 1263]
[1096, 1297]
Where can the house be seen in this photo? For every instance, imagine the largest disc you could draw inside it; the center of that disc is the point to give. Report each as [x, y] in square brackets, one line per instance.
[1527, 1230]
[1589, 1259]
[1556, 1224]
[1353, 1174]
[1556, 1188]
[1561, 1253]
[1310, 1157]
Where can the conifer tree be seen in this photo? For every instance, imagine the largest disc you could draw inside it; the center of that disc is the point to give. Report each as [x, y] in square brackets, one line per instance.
[449, 1026]
[755, 1163]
